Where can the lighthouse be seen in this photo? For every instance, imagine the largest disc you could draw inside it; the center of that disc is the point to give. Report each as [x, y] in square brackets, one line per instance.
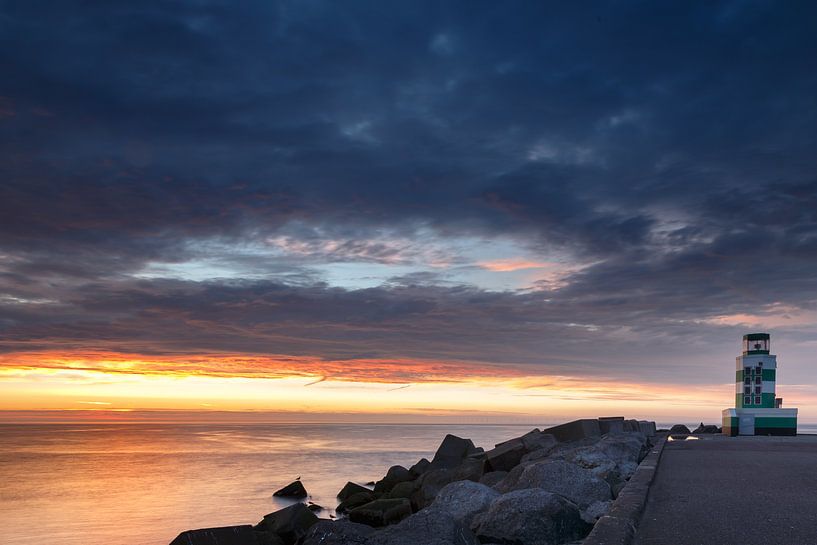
[757, 411]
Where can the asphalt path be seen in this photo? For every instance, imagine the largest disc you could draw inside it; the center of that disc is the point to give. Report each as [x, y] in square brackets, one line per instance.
[733, 490]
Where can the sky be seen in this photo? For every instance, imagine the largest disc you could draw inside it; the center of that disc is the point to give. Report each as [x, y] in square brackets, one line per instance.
[473, 211]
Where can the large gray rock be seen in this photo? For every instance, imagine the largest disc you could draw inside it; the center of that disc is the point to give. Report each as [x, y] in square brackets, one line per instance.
[349, 489]
[595, 511]
[430, 485]
[295, 489]
[530, 517]
[505, 456]
[428, 527]
[403, 490]
[471, 468]
[464, 499]
[452, 451]
[290, 523]
[341, 532]
[492, 478]
[381, 512]
[227, 535]
[679, 429]
[575, 483]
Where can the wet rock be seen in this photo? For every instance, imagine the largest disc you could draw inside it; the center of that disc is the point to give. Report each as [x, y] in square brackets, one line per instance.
[679, 429]
[464, 499]
[342, 532]
[290, 523]
[314, 507]
[227, 535]
[428, 527]
[395, 475]
[452, 451]
[355, 500]
[530, 517]
[403, 490]
[295, 489]
[493, 477]
[350, 489]
[381, 512]
[575, 483]
[420, 467]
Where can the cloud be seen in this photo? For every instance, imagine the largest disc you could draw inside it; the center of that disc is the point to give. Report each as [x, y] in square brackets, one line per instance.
[181, 179]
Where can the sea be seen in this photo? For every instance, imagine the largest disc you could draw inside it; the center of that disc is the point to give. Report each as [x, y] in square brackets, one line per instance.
[142, 484]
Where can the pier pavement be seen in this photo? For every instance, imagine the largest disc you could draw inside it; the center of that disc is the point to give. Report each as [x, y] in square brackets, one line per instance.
[733, 491]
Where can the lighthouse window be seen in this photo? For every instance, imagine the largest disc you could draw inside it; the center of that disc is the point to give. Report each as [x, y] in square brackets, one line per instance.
[748, 371]
[747, 380]
[757, 400]
[757, 389]
[747, 400]
[758, 380]
[747, 390]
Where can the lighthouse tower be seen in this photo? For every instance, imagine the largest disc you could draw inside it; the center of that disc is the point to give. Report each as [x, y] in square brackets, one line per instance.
[757, 411]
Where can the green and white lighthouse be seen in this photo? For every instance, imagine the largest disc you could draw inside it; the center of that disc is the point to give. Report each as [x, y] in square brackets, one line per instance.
[757, 411]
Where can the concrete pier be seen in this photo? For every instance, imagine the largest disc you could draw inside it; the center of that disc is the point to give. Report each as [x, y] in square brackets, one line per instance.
[733, 490]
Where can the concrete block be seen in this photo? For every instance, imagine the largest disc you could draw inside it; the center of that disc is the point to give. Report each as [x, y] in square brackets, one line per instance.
[575, 430]
[611, 424]
[647, 427]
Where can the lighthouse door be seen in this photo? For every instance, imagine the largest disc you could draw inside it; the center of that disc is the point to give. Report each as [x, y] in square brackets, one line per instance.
[746, 424]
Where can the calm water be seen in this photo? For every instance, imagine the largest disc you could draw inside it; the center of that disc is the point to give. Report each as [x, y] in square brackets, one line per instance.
[143, 484]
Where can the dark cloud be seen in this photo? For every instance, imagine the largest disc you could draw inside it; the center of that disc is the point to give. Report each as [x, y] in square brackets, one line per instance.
[669, 149]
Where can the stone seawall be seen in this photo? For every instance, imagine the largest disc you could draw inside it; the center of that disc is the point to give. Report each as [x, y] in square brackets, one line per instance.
[546, 487]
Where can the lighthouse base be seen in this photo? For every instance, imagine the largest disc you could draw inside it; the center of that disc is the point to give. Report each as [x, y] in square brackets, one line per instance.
[759, 422]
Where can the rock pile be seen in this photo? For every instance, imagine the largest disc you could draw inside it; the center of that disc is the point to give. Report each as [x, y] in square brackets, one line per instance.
[545, 487]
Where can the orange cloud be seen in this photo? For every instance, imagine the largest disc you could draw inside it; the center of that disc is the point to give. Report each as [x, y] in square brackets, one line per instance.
[510, 265]
[257, 366]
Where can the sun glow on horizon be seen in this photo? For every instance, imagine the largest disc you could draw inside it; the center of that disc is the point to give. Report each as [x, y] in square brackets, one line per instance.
[98, 383]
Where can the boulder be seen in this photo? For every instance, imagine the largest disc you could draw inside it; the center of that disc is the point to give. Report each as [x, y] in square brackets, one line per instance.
[355, 500]
[595, 511]
[464, 499]
[493, 477]
[452, 451]
[314, 507]
[530, 517]
[505, 456]
[575, 483]
[536, 440]
[295, 489]
[679, 429]
[349, 489]
[403, 490]
[290, 523]
[428, 527]
[706, 429]
[341, 532]
[395, 474]
[268, 538]
[430, 484]
[381, 512]
[472, 468]
[420, 467]
[577, 429]
[227, 535]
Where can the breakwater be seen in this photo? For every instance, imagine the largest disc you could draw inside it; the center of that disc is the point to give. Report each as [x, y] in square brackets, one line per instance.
[544, 487]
